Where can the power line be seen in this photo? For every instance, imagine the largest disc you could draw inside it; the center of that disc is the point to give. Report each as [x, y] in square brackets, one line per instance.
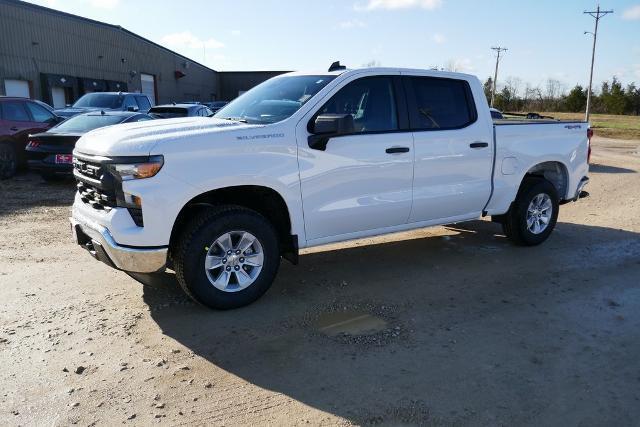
[597, 15]
[498, 49]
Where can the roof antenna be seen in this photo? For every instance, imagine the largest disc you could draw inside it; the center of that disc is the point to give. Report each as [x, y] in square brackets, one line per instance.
[337, 67]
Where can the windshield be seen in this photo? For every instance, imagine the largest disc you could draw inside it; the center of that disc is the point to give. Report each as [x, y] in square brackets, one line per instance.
[85, 123]
[274, 100]
[100, 100]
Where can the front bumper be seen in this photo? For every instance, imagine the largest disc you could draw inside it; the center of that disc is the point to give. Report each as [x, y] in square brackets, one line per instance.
[98, 241]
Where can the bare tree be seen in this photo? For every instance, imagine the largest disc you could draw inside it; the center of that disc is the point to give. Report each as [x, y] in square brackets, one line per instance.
[528, 94]
[371, 64]
[536, 99]
[452, 65]
[552, 89]
[513, 84]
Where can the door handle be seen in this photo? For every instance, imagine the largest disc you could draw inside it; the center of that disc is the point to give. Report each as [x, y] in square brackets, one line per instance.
[14, 129]
[395, 150]
[479, 144]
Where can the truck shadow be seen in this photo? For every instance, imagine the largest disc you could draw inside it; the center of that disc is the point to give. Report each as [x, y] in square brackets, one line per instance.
[598, 168]
[473, 325]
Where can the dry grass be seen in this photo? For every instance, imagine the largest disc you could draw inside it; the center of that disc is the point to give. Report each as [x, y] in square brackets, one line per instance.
[607, 125]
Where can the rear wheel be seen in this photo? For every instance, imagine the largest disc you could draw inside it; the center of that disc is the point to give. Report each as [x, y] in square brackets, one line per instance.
[227, 257]
[8, 161]
[533, 215]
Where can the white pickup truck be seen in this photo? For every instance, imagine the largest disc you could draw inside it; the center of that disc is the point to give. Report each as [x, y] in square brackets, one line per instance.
[306, 159]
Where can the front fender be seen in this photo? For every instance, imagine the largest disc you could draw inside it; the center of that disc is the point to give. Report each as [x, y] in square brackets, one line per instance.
[207, 165]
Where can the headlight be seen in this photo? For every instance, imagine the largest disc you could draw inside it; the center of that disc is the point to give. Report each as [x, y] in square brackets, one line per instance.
[139, 170]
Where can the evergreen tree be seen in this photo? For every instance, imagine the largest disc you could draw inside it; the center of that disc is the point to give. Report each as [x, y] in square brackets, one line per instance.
[633, 99]
[576, 101]
[615, 101]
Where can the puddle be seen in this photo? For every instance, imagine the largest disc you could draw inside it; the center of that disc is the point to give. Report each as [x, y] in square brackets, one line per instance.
[350, 323]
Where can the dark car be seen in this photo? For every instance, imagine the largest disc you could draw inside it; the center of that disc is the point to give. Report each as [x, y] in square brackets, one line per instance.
[50, 152]
[215, 105]
[496, 114]
[180, 110]
[20, 117]
[107, 101]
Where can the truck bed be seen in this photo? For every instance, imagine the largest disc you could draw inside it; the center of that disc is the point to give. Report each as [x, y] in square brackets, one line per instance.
[521, 144]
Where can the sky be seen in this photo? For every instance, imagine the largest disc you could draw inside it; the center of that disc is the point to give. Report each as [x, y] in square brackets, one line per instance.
[545, 38]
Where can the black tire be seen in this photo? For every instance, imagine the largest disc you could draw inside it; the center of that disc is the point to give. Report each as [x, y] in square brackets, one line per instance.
[514, 222]
[194, 242]
[8, 161]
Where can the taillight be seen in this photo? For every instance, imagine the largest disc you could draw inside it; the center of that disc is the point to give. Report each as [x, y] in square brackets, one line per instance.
[33, 144]
[589, 135]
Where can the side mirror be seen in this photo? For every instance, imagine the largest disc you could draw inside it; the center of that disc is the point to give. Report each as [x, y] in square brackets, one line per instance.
[327, 126]
[133, 109]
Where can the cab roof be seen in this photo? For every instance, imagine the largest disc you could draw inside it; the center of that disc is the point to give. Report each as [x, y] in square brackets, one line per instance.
[382, 70]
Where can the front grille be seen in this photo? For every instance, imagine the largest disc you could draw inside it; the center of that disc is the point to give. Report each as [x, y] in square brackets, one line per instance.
[98, 186]
[92, 170]
[95, 197]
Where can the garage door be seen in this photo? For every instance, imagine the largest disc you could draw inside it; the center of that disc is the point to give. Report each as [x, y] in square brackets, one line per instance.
[148, 85]
[17, 88]
[58, 97]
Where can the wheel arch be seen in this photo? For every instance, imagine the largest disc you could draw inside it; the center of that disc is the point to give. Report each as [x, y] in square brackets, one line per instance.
[262, 199]
[554, 171]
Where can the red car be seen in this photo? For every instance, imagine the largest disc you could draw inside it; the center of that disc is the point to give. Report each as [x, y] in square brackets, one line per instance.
[20, 117]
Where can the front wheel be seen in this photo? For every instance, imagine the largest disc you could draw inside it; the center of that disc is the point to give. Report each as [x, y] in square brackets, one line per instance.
[533, 215]
[227, 257]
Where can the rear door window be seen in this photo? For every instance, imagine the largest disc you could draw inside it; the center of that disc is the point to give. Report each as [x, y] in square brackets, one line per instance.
[15, 111]
[439, 104]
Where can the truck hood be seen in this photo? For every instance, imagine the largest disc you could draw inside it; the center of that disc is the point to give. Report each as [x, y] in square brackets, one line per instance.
[138, 139]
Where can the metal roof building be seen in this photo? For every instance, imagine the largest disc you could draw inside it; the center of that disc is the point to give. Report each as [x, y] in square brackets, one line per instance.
[57, 57]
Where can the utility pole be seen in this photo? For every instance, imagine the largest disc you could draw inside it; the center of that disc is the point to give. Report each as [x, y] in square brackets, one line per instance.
[495, 76]
[597, 14]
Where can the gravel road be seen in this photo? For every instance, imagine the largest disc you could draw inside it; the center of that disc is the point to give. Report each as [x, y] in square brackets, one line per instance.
[442, 326]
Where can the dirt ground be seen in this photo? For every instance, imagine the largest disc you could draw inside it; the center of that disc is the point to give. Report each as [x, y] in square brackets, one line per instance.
[442, 326]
